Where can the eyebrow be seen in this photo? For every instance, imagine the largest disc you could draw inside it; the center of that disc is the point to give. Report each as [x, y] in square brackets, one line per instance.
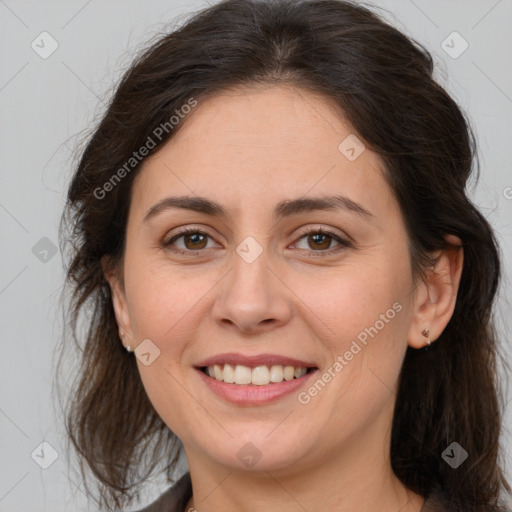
[285, 208]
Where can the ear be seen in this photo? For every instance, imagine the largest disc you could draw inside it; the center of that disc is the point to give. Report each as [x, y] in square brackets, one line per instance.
[435, 297]
[118, 297]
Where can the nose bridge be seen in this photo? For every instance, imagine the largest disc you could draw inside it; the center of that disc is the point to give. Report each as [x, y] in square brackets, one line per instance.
[250, 267]
[250, 294]
[250, 278]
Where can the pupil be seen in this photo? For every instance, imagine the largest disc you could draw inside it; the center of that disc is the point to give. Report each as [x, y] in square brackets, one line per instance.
[194, 238]
[323, 238]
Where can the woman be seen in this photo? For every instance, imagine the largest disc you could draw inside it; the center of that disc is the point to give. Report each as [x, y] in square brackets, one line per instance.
[286, 280]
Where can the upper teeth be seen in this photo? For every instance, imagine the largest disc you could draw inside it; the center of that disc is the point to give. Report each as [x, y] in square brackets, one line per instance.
[260, 375]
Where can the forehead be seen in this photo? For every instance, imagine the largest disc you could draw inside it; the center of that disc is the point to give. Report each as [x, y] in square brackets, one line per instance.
[247, 147]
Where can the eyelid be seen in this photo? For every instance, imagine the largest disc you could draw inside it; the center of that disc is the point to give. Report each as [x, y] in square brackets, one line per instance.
[343, 240]
[323, 229]
[185, 231]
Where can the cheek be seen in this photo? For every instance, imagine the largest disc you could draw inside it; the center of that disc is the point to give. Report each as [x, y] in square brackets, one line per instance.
[161, 297]
[363, 317]
[163, 307]
[349, 301]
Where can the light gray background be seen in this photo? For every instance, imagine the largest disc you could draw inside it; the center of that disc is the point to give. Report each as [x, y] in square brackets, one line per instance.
[46, 103]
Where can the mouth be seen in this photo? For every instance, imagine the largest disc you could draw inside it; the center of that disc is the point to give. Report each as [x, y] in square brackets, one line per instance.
[254, 380]
[261, 375]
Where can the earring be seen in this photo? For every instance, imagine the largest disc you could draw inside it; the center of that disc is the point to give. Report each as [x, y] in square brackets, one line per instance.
[123, 337]
[425, 333]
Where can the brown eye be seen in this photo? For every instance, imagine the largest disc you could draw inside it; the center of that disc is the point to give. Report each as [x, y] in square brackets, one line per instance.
[320, 241]
[195, 241]
[192, 240]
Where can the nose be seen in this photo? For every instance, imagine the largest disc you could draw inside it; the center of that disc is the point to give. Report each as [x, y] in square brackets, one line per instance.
[252, 298]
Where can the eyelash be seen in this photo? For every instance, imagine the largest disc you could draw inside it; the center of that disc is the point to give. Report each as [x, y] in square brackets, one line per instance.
[343, 243]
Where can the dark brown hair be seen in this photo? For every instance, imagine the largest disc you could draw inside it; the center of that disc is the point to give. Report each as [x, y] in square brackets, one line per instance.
[382, 82]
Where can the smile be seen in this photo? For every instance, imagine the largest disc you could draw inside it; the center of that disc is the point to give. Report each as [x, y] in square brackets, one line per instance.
[257, 376]
[254, 380]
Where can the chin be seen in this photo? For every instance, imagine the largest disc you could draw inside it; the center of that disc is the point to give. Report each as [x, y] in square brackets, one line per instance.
[260, 452]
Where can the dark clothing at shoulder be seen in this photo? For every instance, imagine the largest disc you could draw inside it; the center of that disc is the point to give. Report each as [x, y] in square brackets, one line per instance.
[177, 496]
[174, 499]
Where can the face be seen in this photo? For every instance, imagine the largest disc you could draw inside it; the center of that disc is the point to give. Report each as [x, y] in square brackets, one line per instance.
[267, 282]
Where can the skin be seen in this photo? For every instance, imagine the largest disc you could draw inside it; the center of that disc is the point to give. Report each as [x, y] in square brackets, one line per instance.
[249, 149]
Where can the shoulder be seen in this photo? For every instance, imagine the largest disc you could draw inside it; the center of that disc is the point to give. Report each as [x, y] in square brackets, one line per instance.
[174, 499]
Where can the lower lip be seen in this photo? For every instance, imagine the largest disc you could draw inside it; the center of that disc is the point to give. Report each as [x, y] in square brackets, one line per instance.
[250, 394]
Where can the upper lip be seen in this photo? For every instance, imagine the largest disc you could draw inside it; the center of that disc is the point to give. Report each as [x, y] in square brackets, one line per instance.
[255, 360]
